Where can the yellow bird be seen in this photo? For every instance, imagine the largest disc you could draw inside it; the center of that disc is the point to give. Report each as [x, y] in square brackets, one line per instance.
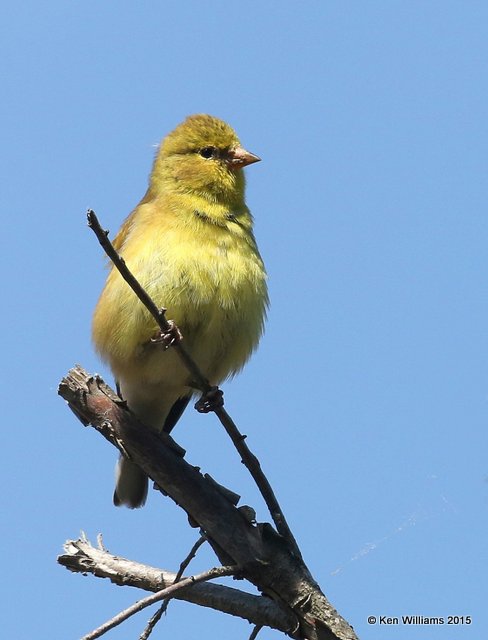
[190, 244]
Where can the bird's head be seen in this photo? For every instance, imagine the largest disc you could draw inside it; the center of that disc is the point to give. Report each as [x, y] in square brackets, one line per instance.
[202, 155]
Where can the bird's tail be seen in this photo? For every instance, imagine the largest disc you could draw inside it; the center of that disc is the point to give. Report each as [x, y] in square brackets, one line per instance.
[154, 410]
[130, 484]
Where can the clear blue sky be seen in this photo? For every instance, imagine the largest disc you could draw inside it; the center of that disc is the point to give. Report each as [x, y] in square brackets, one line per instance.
[368, 399]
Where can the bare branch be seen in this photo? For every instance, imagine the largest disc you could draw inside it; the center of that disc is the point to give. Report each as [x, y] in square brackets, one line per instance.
[81, 557]
[200, 382]
[153, 621]
[255, 631]
[263, 556]
[216, 572]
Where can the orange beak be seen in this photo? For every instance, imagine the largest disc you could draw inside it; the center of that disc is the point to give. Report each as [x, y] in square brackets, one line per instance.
[239, 157]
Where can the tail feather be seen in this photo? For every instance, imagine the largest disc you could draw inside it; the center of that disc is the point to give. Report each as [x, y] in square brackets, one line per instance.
[130, 484]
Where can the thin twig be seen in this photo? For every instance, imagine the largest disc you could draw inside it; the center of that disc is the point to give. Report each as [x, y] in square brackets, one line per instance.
[153, 621]
[216, 572]
[198, 379]
[255, 632]
[189, 557]
[252, 464]
[201, 383]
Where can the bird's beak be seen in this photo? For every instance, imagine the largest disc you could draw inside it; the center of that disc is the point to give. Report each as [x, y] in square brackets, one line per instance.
[239, 157]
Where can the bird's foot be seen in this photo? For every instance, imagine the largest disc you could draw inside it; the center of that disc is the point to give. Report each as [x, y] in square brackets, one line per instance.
[211, 400]
[168, 338]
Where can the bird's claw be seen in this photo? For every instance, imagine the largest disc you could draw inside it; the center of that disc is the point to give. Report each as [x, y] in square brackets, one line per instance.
[211, 400]
[169, 337]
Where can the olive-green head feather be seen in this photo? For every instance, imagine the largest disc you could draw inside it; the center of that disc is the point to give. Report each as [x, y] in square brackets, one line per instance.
[202, 156]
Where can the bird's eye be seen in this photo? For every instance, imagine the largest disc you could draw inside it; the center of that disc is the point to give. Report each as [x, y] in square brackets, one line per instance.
[208, 152]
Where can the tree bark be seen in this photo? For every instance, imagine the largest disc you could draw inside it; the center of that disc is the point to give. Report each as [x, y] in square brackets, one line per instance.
[262, 555]
[81, 557]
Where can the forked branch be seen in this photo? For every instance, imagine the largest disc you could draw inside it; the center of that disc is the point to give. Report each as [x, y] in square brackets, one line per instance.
[263, 556]
[268, 558]
[81, 557]
[167, 592]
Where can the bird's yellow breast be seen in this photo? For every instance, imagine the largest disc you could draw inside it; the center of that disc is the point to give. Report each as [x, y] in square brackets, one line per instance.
[203, 266]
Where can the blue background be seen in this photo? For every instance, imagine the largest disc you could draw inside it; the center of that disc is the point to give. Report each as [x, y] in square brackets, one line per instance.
[367, 402]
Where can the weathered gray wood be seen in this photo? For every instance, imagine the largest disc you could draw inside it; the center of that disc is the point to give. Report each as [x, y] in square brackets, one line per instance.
[263, 556]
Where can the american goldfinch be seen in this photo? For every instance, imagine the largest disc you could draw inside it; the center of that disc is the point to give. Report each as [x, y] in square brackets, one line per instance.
[190, 244]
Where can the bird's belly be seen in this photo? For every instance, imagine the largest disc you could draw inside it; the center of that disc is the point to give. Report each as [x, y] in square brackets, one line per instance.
[215, 291]
[219, 308]
[219, 338]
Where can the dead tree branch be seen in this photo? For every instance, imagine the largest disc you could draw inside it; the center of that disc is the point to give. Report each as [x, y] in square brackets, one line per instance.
[156, 617]
[263, 556]
[167, 592]
[81, 557]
